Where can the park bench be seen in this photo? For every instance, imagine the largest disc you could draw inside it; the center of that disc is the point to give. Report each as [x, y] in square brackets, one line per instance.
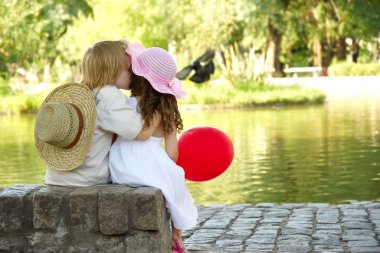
[315, 71]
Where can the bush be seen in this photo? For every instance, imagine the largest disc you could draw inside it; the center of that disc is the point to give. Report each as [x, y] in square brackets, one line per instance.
[3, 86]
[249, 94]
[355, 69]
[20, 103]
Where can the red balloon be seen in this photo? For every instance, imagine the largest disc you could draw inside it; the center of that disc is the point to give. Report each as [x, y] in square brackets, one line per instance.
[204, 153]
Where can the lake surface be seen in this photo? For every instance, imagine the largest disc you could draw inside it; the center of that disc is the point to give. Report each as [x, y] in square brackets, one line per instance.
[326, 153]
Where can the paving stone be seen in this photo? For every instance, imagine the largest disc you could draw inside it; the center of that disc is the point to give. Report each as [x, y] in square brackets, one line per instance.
[356, 225]
[292, 205]
[354, 212]
[318, 205]
[299, 224]
[359, 232]
[272, 220]
[365, 250]
[367, 243]
[372, 205]
[328, 232]
[261, 240]
[240, 234]
[329, 226]
[252, 212]
[353, 219]
[216, 223]
[374, 213]
[291, 246]
[301, 217]
[294, 227]
[328, 248]
[279, 213]
[245, 223]
[324, 239]
[297, 231]
[265, 205]
[236, 208]
[228, 243]
[356, 238]
[259, 246]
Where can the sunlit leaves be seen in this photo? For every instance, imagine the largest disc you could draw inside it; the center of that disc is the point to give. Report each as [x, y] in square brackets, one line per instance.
[30, 30]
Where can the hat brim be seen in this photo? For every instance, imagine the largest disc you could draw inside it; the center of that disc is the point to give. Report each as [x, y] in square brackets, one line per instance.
[68, 159]
[135, 50]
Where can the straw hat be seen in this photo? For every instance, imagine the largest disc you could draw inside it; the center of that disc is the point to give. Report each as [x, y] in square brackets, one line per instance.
[65, 126]
[157, 66]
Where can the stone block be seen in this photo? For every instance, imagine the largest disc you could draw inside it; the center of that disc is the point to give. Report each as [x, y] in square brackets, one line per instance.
[82, 211]
[110, 244]
[72, 219]
[143, 240]
[80, 249]
[11, 207]
[47, 203]
[46, 242]
[113, 204]
[12, 242]
[148, 208]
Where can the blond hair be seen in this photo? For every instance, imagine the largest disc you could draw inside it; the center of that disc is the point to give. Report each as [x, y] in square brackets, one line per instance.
[103, 62]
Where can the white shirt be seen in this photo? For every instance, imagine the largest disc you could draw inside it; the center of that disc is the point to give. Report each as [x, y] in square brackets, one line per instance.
[114, 115]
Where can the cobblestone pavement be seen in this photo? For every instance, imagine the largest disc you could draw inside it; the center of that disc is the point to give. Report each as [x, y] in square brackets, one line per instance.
[291, 228]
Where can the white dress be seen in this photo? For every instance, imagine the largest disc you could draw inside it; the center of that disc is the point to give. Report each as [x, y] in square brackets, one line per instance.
[145, 163]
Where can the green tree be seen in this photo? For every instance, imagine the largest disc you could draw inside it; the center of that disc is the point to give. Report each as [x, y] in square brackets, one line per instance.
[30, 31]
[324, 26]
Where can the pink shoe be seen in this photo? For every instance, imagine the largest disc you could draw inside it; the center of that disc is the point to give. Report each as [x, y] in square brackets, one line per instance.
[177, 248]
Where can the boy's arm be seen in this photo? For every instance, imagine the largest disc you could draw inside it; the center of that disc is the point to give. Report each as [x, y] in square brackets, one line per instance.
[171, 145]
[146, 132]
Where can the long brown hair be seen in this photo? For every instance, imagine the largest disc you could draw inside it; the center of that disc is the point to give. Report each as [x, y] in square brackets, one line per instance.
[152, 102]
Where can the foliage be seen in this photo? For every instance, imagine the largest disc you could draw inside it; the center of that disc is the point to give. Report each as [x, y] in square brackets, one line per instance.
[30, 31]
[239, 65]
[14, 104]
[355, 69]
[53, 35]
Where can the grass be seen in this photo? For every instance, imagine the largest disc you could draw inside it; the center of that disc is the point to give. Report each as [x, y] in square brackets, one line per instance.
[217, 92]
[245, 94]
[20, 103]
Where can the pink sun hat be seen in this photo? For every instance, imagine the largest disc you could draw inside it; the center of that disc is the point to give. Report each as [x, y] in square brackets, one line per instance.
[157, 66]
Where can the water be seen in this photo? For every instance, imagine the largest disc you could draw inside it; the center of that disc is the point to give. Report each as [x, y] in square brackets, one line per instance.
[326, 153]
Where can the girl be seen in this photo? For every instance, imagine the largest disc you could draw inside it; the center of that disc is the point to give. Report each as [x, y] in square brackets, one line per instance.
[106, 69]
[154, 90]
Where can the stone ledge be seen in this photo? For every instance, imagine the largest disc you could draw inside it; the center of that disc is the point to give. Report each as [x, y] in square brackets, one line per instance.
[102, 218]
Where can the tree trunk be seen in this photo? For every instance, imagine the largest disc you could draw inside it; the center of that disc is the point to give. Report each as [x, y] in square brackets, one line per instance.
[317, 53]
[355, 50]
[274, 51]
[322, 54]
[327, 54]
[341, 49]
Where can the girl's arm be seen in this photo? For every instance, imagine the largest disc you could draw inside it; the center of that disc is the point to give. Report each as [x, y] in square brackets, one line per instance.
[171, 145]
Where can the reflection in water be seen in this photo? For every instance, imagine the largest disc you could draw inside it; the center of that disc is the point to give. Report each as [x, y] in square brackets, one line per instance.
[326, 153]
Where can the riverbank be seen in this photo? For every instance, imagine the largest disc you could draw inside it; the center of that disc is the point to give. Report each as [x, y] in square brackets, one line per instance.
[338, 87]
[215, 94]
[291, 227]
